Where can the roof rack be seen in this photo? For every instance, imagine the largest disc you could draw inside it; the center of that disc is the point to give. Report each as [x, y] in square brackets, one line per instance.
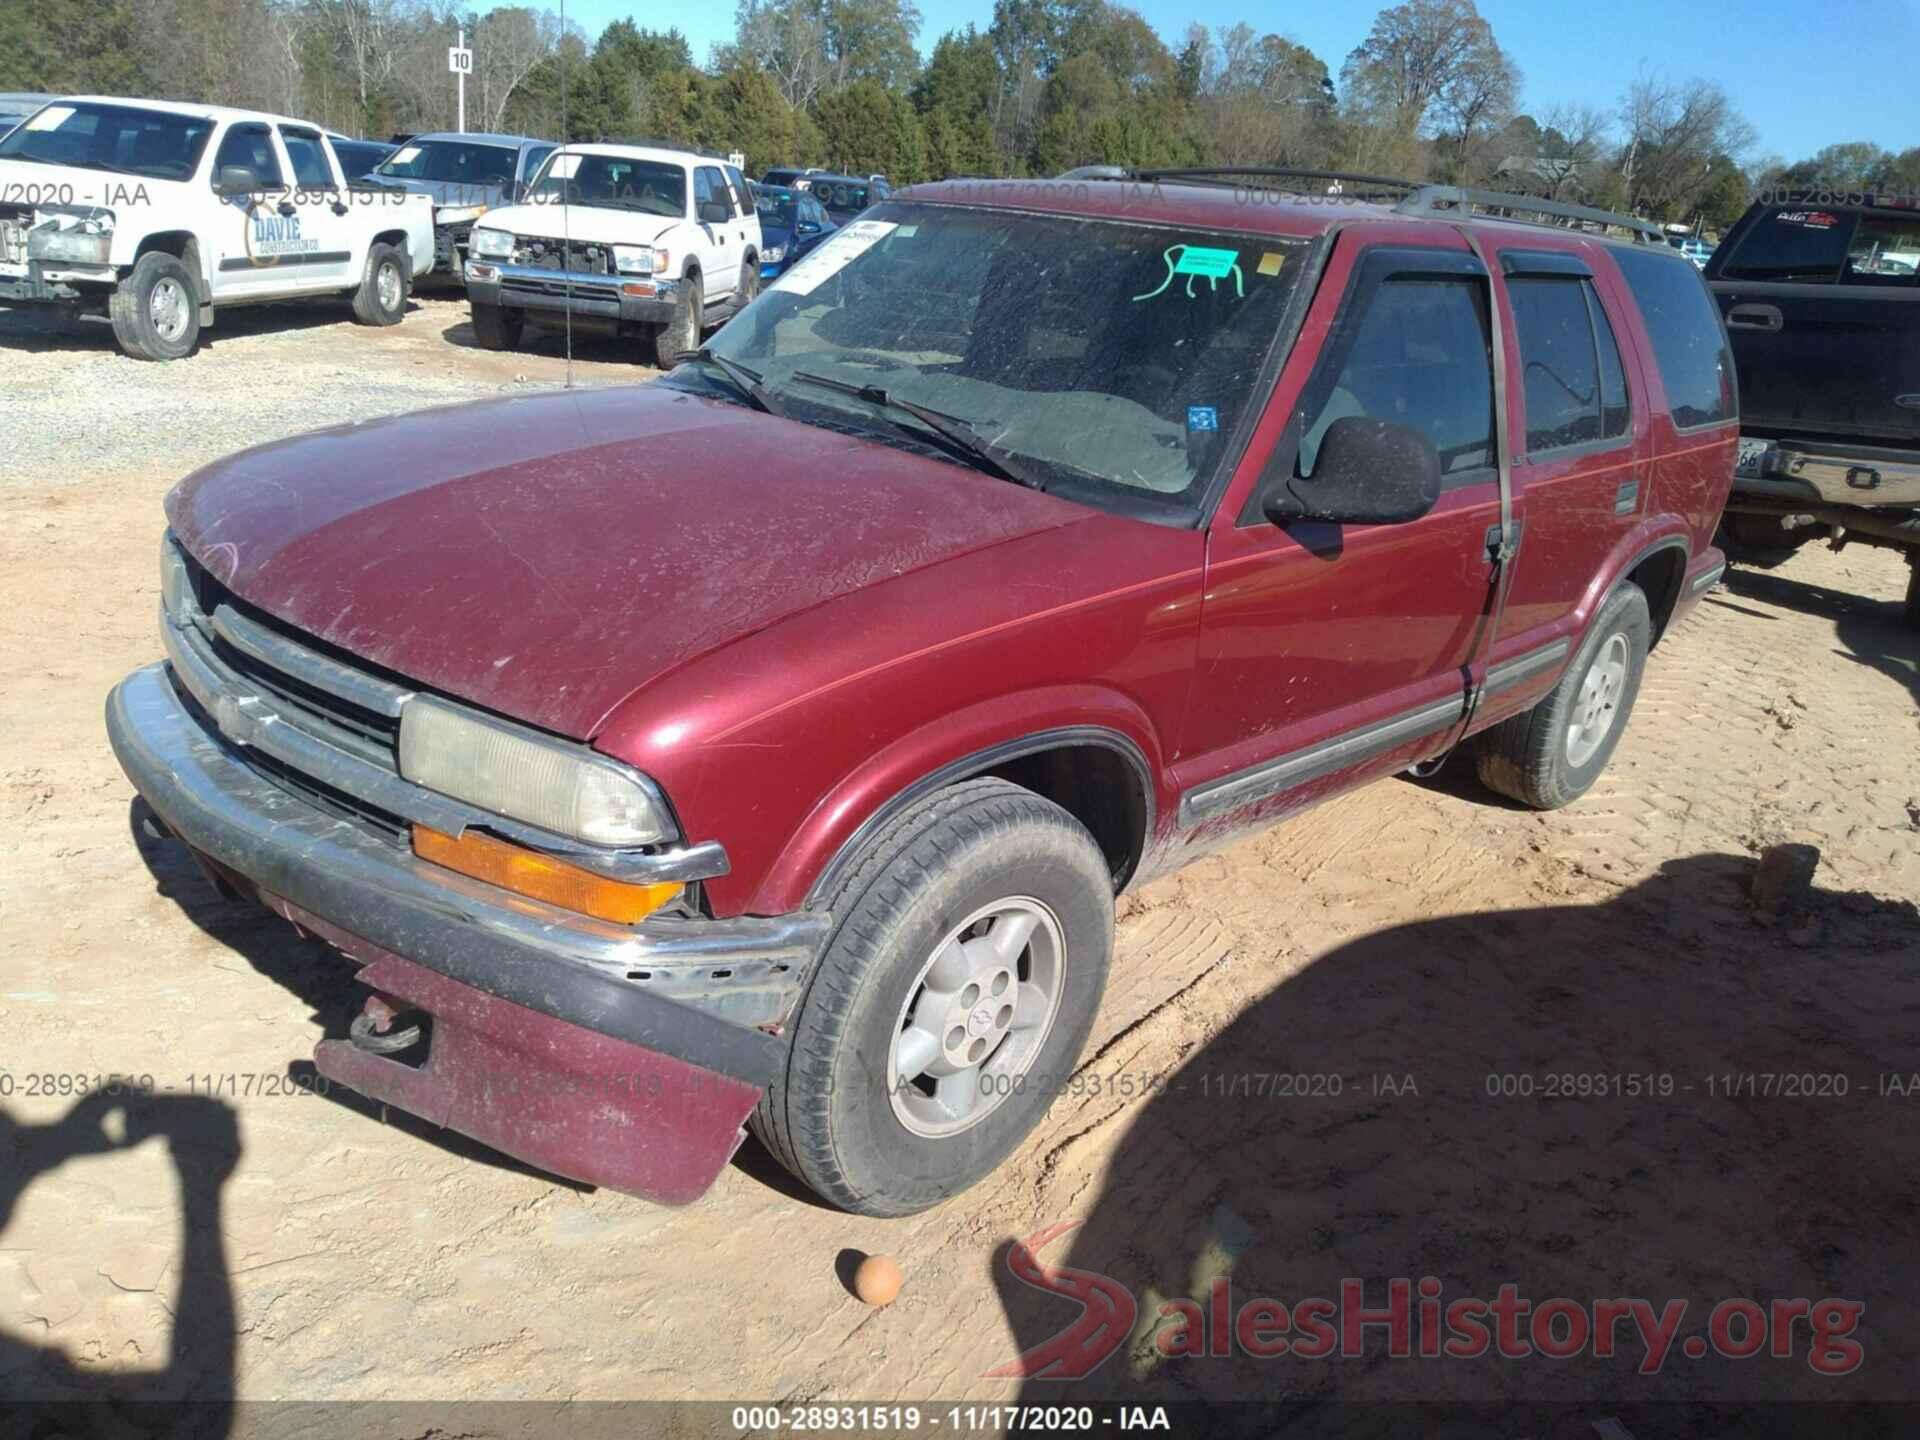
[1457, 202]
[1339, 184]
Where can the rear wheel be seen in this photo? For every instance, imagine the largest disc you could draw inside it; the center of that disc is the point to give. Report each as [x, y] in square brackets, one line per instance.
[680, 336]
[749, 284]
[495, 328]
[156, 309]
[1550, 756]
[381, 298]
[956, 994]
[1913, 589]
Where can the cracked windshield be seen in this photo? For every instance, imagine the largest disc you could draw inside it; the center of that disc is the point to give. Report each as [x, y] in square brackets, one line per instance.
[1109, 362]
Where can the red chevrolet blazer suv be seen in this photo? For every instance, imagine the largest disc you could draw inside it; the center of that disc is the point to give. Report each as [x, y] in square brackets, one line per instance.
[764, 746]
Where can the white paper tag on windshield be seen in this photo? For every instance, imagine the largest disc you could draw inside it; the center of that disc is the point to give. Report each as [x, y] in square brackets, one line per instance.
[851, 242]
[51, 118]
[405, 155]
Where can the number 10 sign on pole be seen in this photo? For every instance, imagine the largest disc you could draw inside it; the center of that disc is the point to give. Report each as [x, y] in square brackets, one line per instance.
[460, 62]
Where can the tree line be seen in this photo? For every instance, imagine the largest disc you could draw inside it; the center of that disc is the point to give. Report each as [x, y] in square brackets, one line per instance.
[1428, 94]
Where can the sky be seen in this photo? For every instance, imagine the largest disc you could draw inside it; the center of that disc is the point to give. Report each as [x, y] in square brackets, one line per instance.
[1806, 73]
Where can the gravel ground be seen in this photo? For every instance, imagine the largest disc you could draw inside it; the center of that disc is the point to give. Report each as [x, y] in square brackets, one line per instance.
[261, 373]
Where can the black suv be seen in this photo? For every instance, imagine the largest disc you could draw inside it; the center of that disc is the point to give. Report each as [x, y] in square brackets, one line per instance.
[1821, 294]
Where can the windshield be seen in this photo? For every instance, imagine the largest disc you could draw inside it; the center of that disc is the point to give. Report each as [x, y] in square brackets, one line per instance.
[840, 194]
[119, 138]
[776, 207]
[1116, 358]
[613, 181]
[457, 161]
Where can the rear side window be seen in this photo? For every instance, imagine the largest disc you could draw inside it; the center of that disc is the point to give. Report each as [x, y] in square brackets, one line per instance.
[1885, 251]
[1801, 244]
[1689, 346]
[1616, 416]
[1575, 389]
[310, 168]
[1420, 358]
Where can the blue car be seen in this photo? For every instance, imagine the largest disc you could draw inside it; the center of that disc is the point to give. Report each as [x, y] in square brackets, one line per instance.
[792, 222]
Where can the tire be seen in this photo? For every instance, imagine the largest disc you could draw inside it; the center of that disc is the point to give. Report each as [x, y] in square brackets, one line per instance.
[749, 285]
[1761, 541]
[986, 851]
[1536, 757]
[156, 309]
[1913, 589]
[680, 336]
[381, 298]
[494, 328]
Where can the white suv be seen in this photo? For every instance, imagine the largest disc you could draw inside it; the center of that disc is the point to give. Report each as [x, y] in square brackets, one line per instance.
[624, 239]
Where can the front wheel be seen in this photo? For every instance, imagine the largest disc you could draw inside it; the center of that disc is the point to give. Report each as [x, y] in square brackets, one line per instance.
[1550, 756]
[749, 284]
[494, 328]
[156, 309]
[381, 298]
[680, 336]
[952, 1001]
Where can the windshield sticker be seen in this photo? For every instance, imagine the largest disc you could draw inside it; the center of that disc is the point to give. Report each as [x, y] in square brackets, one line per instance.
[564, 167]
[51, 118]
[848, 244]
[1198, 262]
[406, 155]
[906, 230]
[1270, 262]
[1202, 417]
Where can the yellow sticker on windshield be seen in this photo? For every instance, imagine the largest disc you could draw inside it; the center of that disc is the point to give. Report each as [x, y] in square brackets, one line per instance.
[1270, 262]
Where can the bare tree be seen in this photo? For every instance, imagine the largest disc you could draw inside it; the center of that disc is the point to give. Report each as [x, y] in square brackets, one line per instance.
[365, 31]
[1571, 141]
[1674, 129]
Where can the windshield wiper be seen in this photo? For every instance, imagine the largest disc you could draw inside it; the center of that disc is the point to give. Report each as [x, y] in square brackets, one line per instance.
[959, 434]
[744, 380]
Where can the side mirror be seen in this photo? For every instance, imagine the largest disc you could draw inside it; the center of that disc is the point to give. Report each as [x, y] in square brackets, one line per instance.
[236, 180]
[715, 212]
[1367, 472]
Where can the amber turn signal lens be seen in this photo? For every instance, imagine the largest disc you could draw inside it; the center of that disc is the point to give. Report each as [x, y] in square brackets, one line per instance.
[541, 877]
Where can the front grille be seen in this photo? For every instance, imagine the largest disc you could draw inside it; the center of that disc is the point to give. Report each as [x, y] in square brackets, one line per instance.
[578, 256]
[310, 705]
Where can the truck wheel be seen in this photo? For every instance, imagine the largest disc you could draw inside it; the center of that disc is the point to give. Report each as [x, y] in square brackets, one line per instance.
[749, 284]
[680, 336]
[1760, 541]
[494, 328]
[156, 309]
[1913, 590]
[953, 999]
[381, 298]
[1550, 755]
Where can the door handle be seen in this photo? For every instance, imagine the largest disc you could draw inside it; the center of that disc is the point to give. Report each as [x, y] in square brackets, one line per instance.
[1755, 317]
[287, 207]
[340, 207]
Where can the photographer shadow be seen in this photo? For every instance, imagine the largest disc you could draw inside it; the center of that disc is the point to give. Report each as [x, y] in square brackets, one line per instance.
[44, 1388]
[1457, 1098]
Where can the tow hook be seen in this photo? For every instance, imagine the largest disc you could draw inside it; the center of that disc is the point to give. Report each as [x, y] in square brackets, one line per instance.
[378, 1030]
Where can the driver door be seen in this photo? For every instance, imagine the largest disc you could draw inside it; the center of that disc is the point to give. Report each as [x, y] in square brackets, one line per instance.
[249, 234]
[720, 250]
[1331, 653]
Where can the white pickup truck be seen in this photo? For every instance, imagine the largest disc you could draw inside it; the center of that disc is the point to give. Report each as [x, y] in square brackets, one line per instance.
[162, 214]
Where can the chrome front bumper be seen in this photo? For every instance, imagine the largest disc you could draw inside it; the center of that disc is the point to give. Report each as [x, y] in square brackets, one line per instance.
[651, 985]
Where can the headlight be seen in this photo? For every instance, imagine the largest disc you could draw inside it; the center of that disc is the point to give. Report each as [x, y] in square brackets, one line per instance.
[559, 787]
[86, 241]
[176, 589]
[636, 259]
[494, 244]
[458, 214]
[774, 254]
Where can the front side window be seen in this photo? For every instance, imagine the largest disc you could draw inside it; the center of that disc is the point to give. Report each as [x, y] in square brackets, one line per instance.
[251, 148]
[709, 188]
[310, 168]
[612, 182]
[1798, 244]
[457, 162]
[535, 157]
[1885, 251]
[121, 139]
[1109, 361]
[1419, 357]
[1689, 345]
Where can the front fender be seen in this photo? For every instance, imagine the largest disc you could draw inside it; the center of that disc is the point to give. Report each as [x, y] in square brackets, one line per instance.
[966, 742]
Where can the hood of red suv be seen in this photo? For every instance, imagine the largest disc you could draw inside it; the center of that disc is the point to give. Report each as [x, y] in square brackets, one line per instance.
[547, 555]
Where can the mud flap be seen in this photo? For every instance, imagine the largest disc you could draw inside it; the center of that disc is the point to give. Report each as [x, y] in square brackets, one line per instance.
[561, 1098]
